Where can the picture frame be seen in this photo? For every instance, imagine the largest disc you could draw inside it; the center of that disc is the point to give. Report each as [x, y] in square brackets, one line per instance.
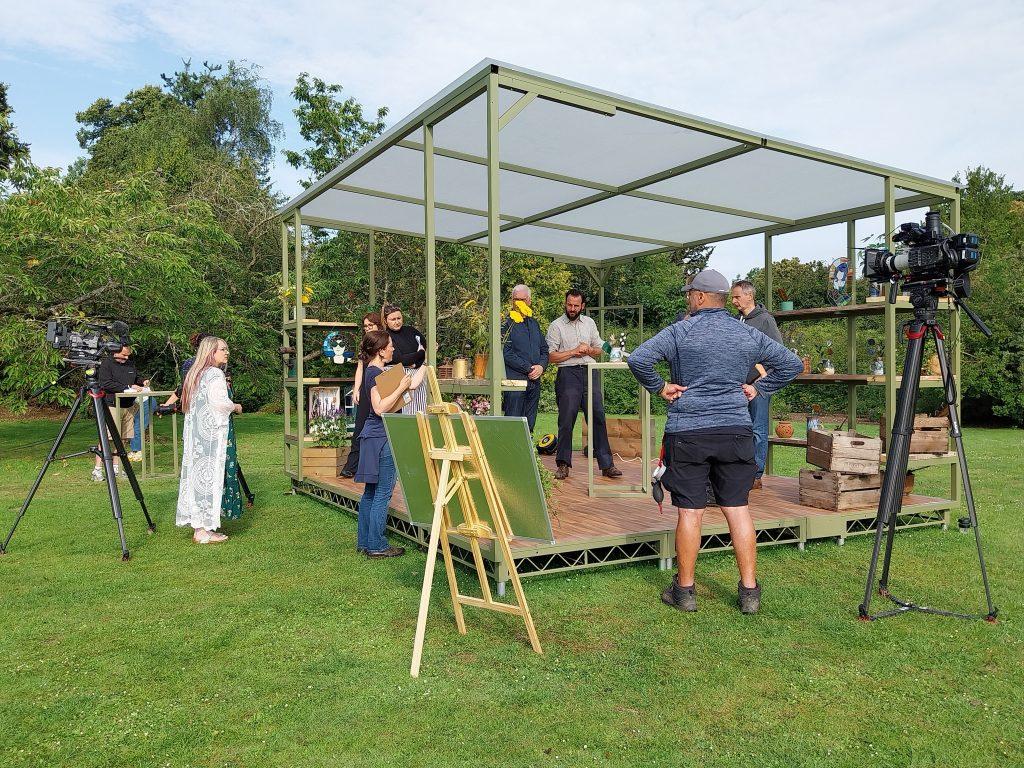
[323, 400]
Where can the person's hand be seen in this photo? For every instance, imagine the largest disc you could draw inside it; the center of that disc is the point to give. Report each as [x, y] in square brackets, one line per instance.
[145, 383]
[405, 383]
[238, 407]
[672, 392]
[749, 391]
[355, 397]
[535, 372]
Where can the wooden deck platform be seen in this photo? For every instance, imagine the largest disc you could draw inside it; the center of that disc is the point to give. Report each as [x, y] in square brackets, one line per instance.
[593, 531]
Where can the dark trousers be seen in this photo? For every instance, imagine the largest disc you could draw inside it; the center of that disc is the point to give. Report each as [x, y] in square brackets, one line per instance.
[571, 397]
[362, 410]
[523, 403]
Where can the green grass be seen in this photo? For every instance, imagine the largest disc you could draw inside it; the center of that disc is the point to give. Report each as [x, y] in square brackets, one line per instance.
[283, 647]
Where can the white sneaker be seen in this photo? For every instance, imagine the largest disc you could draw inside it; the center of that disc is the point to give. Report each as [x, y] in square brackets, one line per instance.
[97, 475]
[117, 470]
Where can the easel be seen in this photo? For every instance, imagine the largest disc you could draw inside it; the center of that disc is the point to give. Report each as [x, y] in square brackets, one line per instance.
[449, 469]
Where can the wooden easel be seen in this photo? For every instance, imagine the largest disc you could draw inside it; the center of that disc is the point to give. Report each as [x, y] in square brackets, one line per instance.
[450, 467]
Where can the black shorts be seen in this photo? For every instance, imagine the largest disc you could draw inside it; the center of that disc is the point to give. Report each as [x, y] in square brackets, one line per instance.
[691, 459]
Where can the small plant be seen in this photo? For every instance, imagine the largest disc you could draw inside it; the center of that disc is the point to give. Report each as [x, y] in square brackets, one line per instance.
[547, 484]
[329, 429]
[782, 293]
[478, 406]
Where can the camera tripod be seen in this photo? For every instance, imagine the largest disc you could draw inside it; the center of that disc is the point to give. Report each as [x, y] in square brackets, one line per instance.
[924, 296]
[108, 432]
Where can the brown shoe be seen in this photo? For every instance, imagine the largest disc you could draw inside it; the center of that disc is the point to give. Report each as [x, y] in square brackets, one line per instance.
[562, 472]
[757, 484]
[611, 471]
[389, 552]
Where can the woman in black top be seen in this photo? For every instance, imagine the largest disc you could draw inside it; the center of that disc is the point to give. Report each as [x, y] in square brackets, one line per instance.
[410, 351]
[371, 322]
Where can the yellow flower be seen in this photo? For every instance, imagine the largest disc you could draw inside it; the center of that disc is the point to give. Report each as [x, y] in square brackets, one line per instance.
[515, 316]
[524, 309]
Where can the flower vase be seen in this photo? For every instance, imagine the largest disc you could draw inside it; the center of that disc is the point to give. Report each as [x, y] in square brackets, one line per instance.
[784, 429]
[480, 365]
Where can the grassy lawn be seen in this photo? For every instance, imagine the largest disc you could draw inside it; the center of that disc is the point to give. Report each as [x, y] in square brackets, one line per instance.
[284, 648]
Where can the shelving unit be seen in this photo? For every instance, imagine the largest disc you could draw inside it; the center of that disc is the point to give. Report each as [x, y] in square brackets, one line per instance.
[294, 325]
[877, 308]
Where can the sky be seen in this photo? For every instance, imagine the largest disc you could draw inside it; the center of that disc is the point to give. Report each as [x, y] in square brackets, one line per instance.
[930, 87]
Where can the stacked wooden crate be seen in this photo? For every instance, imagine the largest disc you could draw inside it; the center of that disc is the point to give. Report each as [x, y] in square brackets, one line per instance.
[930, 436]
[847, 474]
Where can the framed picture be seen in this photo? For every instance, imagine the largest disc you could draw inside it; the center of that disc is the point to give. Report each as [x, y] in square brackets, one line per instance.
[324, 400]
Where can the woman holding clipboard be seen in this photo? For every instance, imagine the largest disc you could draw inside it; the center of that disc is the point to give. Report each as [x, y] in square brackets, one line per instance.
[376, 464]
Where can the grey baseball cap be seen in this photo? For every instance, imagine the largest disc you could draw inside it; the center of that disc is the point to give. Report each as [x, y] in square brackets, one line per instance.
[709, 281]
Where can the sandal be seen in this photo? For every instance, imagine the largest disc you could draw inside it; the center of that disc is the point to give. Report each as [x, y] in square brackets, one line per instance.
[208, 537]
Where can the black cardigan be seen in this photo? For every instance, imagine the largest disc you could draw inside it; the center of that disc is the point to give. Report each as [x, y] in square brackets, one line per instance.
[408, 351]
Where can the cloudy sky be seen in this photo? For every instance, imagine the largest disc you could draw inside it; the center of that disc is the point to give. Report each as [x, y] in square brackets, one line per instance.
[932, 87]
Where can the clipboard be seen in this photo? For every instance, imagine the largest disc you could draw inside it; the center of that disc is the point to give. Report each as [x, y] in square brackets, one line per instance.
[388, 382]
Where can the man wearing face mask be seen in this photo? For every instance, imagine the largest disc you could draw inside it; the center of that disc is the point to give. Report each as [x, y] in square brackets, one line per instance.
[708, 434]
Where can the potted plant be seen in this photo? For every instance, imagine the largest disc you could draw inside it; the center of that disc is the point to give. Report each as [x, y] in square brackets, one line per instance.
[783, 425]
[785, 302]
[326, 457]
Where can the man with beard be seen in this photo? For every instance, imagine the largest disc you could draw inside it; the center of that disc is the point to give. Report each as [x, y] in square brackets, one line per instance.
[573, 341]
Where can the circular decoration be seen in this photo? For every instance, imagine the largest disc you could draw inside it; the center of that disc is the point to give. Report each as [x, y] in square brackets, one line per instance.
[838, 282]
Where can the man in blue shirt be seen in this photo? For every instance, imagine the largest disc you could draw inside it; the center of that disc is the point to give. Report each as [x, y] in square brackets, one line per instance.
[526, 357]
[708, 434]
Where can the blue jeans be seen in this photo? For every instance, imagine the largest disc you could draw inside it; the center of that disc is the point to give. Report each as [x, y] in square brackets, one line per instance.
[759, 409]
[373, 506]
[143, 414]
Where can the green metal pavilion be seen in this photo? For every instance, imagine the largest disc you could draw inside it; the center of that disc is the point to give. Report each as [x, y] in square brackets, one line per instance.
[509, 158]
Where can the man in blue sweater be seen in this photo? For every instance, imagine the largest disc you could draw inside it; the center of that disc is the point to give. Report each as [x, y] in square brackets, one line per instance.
[526, 356]
[708, 434]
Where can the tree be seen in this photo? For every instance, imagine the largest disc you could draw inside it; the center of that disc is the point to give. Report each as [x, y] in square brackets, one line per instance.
[13, 152]
[336, 128]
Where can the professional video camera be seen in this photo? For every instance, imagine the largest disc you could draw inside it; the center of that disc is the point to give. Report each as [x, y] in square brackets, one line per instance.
[86, 349]
[926, 255]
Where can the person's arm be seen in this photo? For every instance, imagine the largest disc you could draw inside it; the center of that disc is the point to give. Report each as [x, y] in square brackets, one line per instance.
[382, 405]
[783, 366]
[514, 360]
[217, 394]
[772, 330]
[543, 348]
[358, 382]
[105, 378]
[641, 361]
[596, 343]
[555, 354]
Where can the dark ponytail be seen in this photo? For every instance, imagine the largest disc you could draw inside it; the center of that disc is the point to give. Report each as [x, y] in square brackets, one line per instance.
[373, 342]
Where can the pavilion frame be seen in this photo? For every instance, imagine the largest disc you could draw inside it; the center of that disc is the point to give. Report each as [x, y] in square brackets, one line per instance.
[487, 79]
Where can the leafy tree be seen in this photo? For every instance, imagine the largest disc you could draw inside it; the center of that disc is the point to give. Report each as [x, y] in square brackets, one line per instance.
[336, 128]
[12, 150]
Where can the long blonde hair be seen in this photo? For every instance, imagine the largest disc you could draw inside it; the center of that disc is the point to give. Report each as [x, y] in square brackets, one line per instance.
[203, 360]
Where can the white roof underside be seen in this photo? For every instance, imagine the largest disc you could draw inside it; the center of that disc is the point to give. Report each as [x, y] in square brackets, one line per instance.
[594, 155]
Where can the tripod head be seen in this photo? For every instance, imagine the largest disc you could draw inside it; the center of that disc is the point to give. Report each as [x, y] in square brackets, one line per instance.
[925, 295]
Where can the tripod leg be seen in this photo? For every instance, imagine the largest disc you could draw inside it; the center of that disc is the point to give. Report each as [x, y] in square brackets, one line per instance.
[897, 454]
[949, 388]
[129, 472]
[105, 424]
[244, 486]
[46, 465]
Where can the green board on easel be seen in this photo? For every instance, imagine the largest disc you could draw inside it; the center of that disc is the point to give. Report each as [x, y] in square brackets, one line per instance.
[512, 458]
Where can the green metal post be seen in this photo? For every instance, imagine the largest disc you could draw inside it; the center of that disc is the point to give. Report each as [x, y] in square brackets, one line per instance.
[497, 361]
[300, 332]
[430, 243]
[955, 334]
[768, 293]
[373, 270]
[851, 324]
[285, 343]
[891, 342]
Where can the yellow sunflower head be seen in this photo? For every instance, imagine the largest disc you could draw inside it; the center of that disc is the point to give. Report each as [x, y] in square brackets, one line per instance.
[516, 317]
[524, 308]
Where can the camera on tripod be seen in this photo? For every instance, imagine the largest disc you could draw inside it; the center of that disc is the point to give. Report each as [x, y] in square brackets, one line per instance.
[84, 348]
[926, 256]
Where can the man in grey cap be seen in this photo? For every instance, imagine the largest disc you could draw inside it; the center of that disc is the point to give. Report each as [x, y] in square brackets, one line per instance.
[708, 434]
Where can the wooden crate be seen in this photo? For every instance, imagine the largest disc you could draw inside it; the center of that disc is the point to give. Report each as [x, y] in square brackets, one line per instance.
[624, 436]
[838, 491]
[930, 435]
[848, 452]
[323, 462]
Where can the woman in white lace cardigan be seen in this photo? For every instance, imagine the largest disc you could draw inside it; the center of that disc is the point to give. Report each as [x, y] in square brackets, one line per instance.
[207, 408]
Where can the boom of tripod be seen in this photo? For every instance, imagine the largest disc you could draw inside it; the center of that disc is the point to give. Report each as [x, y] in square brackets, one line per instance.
[924, 296]
[110, 445]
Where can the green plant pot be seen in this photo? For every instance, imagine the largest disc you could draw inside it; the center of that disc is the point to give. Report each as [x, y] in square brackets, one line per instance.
[785, 306]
